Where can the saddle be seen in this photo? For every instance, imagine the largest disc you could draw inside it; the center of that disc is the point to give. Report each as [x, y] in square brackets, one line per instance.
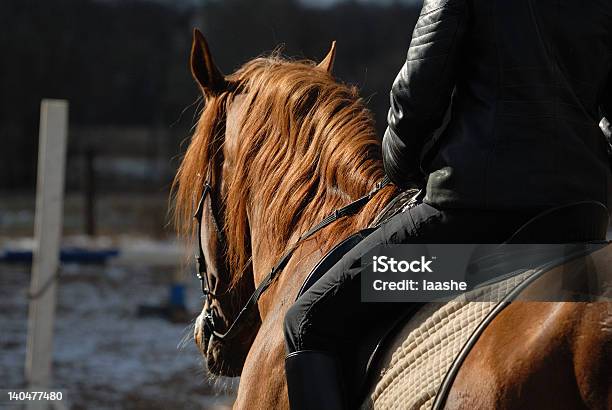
[576, 222]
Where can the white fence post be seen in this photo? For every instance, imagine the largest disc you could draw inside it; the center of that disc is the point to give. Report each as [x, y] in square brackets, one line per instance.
[47, 235]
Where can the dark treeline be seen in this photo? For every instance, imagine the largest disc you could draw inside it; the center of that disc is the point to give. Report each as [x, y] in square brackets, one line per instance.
[124, 63]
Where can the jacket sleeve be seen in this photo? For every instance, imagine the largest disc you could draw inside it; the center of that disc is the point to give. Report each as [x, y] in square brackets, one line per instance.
[606, 113]
[422, 89]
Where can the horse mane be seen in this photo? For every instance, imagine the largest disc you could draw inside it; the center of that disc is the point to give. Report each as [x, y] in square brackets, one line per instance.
[308, 146]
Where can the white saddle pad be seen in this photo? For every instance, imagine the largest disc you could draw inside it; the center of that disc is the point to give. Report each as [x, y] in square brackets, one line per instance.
[422, 353]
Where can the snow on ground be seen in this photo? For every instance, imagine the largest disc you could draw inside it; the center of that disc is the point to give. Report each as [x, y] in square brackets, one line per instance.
[105, 356]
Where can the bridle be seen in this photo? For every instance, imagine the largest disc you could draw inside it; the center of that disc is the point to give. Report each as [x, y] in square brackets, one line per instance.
[209, 325]
[201, 271]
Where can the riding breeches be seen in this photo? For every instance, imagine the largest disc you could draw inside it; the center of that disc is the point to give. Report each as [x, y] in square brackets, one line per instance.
[330, 314]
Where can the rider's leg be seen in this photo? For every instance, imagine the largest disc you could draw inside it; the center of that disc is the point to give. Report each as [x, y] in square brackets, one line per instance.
[330, 313]
[312, 344]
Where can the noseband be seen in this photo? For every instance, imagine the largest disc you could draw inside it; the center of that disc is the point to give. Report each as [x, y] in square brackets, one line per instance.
[233, 330]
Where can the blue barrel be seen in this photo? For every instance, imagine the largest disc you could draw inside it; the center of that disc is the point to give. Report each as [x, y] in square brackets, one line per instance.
[177, 295]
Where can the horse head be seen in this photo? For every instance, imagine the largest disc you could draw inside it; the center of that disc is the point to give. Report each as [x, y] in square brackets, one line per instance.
[204, 165]
[268, 147]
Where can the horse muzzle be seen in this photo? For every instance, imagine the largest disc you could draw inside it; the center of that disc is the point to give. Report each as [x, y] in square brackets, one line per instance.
[203, 333]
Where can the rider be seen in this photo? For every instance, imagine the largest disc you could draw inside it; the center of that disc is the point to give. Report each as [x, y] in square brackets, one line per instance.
[527, 83]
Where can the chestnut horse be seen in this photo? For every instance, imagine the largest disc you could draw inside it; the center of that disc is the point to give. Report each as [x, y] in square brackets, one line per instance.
[282, 144]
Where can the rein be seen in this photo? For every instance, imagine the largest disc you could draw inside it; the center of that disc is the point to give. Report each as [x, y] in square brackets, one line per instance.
[209, 323]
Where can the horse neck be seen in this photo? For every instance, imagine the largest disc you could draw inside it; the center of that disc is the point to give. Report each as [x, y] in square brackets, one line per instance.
[266, 356]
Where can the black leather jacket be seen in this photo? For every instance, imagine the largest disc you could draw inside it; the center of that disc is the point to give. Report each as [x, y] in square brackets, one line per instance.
[530, 81]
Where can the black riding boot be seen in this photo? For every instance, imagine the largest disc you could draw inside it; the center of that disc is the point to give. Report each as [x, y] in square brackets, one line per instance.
[313, 381]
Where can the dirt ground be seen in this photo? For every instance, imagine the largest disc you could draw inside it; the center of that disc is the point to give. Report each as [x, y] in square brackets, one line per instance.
[105, 356]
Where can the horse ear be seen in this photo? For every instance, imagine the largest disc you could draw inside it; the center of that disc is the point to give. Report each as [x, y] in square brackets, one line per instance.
[328, 62]
[203, 68]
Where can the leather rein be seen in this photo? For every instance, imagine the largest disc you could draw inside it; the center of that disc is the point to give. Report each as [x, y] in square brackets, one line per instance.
[233, 329]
